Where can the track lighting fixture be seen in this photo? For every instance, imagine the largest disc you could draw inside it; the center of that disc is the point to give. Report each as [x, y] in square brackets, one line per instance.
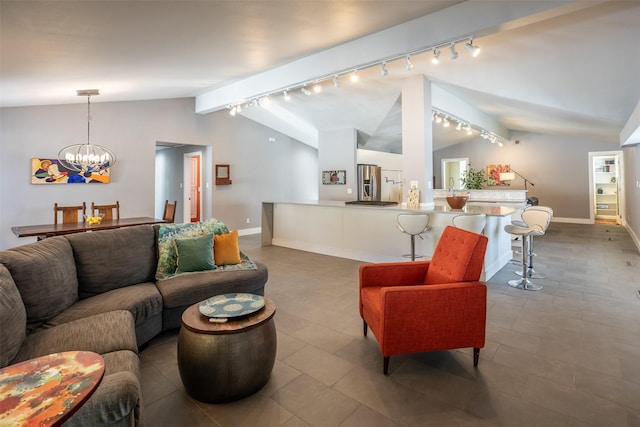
[474, 50]
[265, 101]
[452, 51]
[315, 85]
[408, 62]
[383, 69]
[448, 120]
[436, 56]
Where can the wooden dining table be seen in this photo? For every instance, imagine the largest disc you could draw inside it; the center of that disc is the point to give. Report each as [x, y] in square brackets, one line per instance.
[50, 230]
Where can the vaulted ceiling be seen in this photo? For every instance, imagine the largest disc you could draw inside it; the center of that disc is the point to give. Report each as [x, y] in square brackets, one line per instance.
[567, 68]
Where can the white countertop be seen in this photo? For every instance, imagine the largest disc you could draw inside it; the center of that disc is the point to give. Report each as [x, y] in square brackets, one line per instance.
[487, 208]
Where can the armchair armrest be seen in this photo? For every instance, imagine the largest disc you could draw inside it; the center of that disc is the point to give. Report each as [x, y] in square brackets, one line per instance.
[393, 273]
[432, 317]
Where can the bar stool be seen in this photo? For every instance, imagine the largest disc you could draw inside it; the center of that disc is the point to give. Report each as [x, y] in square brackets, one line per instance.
[474, 223]
[542, 221]
[413, 225]
[532, 219]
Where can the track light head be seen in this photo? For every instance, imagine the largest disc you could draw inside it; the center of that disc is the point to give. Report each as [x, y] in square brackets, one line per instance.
[265, 101]
[408, 62]
[383, 69]
[305, 91]
[354, 76]
[474, 50]
[436, 56]
[446, 122]
[317, 88]
[286, 95]
[232, 111]
[452, 51]
[336, 81]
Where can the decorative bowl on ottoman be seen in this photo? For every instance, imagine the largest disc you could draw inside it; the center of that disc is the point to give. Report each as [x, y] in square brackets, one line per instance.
[457, 202]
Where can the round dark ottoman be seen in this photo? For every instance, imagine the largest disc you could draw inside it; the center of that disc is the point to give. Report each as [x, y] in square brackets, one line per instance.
[222, 362]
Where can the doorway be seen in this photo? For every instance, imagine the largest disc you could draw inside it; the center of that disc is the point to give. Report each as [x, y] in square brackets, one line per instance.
[452, 171]
[192, 183]
[606, 187]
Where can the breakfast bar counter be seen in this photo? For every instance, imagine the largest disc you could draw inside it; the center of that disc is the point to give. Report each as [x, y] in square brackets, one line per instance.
[369, 233]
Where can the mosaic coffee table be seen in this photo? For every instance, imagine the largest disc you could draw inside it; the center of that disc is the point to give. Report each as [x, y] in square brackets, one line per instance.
[47, 390]
[223, 362]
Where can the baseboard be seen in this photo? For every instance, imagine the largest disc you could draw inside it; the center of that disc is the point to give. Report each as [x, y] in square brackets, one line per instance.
[572, 220]
[248, 231]
[633, 236]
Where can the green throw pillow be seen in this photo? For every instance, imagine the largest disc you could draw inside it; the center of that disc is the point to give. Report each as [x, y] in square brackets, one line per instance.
[195, 253]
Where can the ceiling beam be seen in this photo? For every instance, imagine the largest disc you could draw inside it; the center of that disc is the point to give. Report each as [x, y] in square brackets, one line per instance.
[470, 18]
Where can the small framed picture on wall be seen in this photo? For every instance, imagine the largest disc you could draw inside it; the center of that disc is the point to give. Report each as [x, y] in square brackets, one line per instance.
[334, 177]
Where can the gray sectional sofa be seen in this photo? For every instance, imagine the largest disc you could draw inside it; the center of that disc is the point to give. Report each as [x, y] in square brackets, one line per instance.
[98, 292]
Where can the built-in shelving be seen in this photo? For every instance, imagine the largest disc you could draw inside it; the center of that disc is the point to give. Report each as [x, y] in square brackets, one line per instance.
[606, 187]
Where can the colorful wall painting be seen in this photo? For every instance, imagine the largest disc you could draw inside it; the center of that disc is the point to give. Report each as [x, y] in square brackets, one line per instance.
[52, 171]
[493, 174]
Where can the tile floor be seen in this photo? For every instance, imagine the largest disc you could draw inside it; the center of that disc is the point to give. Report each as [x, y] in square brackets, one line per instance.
[567, 355]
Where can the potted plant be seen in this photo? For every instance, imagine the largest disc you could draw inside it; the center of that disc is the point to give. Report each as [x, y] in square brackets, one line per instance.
[473, 179]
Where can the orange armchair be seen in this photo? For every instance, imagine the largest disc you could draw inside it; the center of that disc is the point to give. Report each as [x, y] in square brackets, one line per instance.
[432, 305]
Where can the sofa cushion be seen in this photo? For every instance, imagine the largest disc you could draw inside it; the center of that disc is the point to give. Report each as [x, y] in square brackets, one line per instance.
[111, 259]
[142, 300]
[45, 274]
[186, 289]
[226, 249]
[100, 333]
[13, 318]
[194, 253]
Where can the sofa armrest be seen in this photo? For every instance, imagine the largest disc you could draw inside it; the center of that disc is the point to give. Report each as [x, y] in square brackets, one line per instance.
[101, 333]
[437, 316]
[393, 273]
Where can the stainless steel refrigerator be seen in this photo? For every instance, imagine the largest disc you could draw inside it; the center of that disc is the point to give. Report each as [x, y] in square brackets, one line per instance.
[369, 182]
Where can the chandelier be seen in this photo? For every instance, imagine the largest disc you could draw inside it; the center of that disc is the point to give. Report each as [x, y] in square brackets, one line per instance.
[87, 158]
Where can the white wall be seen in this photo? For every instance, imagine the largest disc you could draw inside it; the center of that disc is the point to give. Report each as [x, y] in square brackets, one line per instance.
[337, 151]
[260, 170]
[558, 166]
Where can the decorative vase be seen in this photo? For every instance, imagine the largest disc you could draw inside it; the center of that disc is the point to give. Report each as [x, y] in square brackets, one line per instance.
[413, 198]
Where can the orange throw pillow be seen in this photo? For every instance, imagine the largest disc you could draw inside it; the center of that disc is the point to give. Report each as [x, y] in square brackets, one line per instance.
[226, 249]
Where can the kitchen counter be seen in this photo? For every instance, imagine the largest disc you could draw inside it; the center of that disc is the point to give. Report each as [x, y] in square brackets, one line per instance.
[369, 233]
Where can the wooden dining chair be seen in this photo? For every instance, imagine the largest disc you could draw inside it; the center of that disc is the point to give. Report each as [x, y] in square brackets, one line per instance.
[70, 214]
[169, 214]
[106, 210]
